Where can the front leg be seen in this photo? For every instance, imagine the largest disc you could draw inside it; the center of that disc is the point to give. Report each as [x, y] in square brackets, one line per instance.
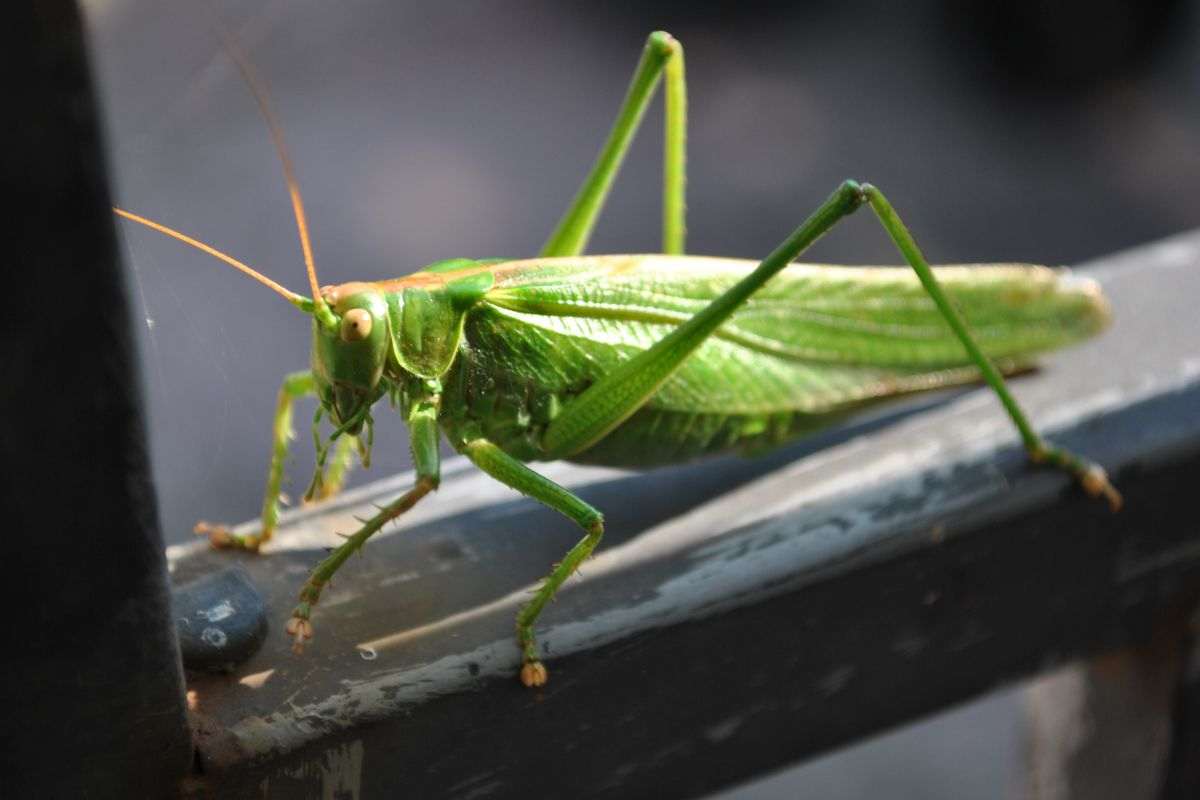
[295, 385]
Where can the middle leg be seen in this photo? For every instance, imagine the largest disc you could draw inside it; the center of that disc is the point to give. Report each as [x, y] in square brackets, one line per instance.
[511, 472]
[423, 431]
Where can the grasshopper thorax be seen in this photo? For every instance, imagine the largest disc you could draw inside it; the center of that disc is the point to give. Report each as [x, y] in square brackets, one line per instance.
[410, 328]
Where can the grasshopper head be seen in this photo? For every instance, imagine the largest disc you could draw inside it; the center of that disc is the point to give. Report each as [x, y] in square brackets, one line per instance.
[348, 358]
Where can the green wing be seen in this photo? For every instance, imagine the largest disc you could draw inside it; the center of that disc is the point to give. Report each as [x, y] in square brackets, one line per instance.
[815, 339]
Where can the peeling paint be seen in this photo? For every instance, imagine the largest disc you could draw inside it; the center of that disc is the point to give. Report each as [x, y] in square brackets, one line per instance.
[256, 680]
[220, 611]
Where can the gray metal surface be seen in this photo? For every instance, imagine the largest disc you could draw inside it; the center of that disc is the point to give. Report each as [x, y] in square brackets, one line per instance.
[718, 633]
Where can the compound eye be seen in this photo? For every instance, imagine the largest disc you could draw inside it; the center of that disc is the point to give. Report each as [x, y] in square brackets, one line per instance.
[356, 325]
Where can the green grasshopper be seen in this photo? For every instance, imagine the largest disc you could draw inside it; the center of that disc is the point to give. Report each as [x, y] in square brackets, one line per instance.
[633, 360]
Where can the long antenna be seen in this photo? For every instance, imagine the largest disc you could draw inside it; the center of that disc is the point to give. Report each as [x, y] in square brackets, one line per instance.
[259, 89]
[292, 297]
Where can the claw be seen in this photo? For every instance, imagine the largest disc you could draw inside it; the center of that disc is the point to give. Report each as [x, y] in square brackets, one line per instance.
[1091, 477]
[300, 629]
[1095, 482]
[222, 538]
[533, 674]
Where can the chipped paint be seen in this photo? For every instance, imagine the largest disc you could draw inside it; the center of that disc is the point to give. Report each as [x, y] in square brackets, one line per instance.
[256, 680]
[218, 612]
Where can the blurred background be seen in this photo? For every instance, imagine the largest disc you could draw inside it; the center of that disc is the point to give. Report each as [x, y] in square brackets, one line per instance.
[1050, 132]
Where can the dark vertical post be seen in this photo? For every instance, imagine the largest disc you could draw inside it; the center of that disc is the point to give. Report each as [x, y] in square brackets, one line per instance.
[92, 693]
